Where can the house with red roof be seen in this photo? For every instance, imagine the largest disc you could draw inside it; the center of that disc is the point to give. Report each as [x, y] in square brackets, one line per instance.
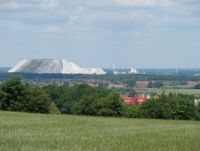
[135, 100]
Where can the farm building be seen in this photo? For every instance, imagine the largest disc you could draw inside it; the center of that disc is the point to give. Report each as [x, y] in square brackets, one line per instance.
[135, 100]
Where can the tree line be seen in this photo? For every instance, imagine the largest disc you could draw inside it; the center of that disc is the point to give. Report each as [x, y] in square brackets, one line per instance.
[128, 79]
[16, 95]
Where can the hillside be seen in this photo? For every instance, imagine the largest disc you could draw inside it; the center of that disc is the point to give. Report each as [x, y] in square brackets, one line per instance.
[31, 132]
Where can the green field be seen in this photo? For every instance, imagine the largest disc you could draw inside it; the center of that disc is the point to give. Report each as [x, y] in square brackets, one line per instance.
[36, 132]
[168, 90]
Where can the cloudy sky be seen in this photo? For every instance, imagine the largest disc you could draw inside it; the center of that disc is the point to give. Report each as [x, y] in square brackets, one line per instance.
[102, 33]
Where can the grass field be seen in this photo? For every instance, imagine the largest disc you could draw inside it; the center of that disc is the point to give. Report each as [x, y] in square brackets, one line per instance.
[36, 132]
[168, 90]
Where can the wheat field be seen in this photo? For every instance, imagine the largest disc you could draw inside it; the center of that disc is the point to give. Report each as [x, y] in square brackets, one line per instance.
[40, 132]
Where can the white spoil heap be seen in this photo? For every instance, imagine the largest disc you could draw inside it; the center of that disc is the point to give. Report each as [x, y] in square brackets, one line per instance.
[53, 66]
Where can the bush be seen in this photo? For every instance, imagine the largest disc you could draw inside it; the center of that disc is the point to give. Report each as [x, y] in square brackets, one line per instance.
[198, 112]
[111, 105]
[38, 101]
[197, 86]
[169, 107]
[130, 111]
[53, 109]
[85, 100]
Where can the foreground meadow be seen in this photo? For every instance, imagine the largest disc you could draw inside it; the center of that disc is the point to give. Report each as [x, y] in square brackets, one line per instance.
[39, 132]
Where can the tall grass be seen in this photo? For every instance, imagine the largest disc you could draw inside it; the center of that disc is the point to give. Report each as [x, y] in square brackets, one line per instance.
[37, 132]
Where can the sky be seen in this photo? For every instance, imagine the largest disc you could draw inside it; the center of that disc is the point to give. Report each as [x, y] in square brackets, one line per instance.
[102, 33]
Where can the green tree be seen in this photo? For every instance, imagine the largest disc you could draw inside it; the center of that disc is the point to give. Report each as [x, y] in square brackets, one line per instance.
[197, 86]
[99, 103]
[16, 96]
[130, 111]
[38, 101]
[157, 84]
[169, 107]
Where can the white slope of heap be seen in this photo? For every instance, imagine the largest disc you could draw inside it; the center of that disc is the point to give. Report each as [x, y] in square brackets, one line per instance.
[98, 71]
[49, 66]
[22, 63]
[70, 68]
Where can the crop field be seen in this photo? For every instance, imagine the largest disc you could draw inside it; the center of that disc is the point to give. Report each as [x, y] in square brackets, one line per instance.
[169, 90]
[40, 132]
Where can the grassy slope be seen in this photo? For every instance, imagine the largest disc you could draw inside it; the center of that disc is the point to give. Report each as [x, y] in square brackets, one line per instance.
[36, 132]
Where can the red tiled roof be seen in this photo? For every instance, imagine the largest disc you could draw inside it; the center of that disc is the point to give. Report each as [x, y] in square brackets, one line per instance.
[130, 100]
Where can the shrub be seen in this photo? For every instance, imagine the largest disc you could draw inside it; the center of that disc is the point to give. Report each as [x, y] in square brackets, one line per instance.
[130, 111]
[38, 101]
[169, 107]
[53, 109]
[197, 86]
[198, 112]
[86, 100]
[111, 105]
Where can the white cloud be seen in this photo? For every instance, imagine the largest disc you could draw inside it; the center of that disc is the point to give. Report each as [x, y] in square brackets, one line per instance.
[74, 14]
[52, 29]
[14, 5]
[50, 3]
[139, 2]
[72, 20]
[44, 4]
